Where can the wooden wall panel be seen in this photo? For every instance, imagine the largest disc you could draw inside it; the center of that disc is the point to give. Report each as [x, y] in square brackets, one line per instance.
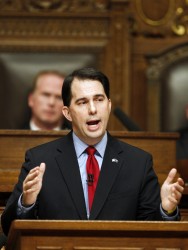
[95, 27]
[156, 27]
[120, 33]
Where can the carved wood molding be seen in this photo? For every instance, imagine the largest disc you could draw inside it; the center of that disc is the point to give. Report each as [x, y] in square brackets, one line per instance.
[56, 27]
[53, 5]
[159, 62]
[157, 65]
[151, 21]
[180, 24]
[159, 18]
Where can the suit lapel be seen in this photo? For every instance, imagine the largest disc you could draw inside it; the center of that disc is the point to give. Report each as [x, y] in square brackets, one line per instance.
[68, 165]
[109, 170]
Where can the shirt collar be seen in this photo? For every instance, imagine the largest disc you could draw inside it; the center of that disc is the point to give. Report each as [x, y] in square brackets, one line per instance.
[33, 126]
[81, 146]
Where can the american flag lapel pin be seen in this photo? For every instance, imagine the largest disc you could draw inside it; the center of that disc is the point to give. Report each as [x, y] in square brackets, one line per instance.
[115, 160]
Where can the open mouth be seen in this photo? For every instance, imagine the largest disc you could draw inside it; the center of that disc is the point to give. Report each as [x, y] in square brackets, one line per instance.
[94, 122]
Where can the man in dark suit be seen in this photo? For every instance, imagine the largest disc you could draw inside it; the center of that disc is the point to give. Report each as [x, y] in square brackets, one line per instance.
[54, 183]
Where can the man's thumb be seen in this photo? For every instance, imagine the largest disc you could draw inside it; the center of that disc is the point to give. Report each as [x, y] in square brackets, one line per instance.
[171, 176]
[42, 168]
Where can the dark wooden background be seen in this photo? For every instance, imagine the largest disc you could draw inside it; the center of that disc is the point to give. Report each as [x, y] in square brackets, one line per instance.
[118, 35]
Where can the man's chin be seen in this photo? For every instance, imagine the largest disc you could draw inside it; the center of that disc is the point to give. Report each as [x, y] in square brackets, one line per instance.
[50, 123]
[95, 136]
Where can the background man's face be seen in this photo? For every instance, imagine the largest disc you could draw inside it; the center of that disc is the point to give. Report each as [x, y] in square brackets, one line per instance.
[46, 102]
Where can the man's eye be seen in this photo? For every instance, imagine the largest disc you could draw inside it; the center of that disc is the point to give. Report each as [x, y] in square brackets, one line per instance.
[82, 103]
[100, 99]
[46, 94]
[59, 98]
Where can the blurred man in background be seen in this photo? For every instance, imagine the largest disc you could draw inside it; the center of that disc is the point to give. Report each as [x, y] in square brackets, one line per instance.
[45, 102]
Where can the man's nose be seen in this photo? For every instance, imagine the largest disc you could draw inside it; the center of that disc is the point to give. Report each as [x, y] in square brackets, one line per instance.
[92, 108]
[51, 100]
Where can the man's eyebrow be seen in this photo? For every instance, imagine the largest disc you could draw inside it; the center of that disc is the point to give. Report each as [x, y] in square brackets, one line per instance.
[81, 99]
[99, 95]
[86, 98]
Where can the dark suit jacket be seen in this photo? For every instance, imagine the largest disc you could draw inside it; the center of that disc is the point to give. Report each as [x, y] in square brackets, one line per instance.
[127, 189]
[66, 125]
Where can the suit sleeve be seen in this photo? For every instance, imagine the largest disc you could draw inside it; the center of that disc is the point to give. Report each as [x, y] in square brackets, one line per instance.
[149, 196]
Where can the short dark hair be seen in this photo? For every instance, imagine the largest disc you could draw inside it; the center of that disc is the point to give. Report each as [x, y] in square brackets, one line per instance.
[83, 74]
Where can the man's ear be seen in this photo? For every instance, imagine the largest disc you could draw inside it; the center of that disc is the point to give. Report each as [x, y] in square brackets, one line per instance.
[66, 113]
[110, 104]
[30, 100]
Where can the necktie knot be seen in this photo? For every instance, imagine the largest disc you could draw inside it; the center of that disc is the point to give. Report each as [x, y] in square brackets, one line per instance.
[91, 150]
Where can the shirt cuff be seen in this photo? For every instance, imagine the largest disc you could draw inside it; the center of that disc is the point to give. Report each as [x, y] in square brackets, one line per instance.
[174, 217]
[21, 209]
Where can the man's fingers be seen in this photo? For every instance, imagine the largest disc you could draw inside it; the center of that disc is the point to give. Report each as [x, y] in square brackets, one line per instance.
[34, 177]
[37, 171]
[178, 186]
[30, 183]
[181, 182]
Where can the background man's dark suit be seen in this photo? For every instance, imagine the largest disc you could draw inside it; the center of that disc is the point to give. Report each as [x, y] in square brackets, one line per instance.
[66, 125]
[128, 188]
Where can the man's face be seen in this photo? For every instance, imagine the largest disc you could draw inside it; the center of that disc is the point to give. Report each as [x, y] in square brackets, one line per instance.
[89, 110]
[46, 102]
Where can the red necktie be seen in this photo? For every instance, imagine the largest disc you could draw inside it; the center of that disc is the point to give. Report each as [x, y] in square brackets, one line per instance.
[92, 174]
